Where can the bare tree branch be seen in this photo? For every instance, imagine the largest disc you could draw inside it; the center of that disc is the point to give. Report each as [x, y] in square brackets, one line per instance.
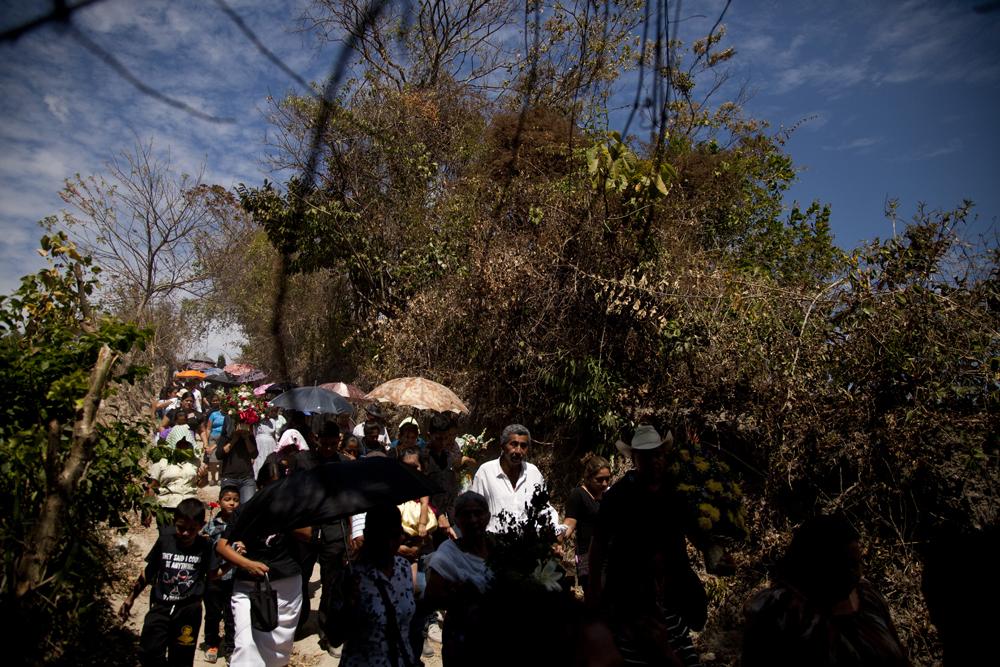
[143, 226]
[421, 45]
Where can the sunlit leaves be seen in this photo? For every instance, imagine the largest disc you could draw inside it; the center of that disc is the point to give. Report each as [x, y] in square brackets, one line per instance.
[615, 168]
[49, 341]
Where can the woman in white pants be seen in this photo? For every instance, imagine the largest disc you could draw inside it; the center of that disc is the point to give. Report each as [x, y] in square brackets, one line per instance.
[258, 556]
[274, 648]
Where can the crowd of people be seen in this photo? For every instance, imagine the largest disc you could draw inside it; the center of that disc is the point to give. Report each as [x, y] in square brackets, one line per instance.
[388, 575]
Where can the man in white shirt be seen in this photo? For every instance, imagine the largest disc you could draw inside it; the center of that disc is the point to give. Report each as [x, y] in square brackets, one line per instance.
[509, 482]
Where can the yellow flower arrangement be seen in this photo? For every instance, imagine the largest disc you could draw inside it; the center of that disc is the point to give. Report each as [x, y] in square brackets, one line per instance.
[714, 500]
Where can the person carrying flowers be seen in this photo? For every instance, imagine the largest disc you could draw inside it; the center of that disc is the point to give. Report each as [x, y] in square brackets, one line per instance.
[237, 446]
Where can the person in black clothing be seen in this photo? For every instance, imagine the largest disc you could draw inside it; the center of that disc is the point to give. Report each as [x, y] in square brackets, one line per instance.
[178, 568]
[581, 510]
[258, 556]
[441, 463]
[328, 545]
[326, 450]
[237, 449]
[378, 440]
[640, 575]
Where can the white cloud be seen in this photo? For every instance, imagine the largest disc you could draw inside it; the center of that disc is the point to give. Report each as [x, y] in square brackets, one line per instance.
[757, 45]
[861, 144]
[830, 78]
[933, 41]
[49, 164]
[219, 340]
[832, 47]
[14, 236]
[57, 107]
[931, 151]
[952, 146]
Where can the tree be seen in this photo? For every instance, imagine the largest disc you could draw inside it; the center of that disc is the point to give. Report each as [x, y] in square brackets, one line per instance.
[317, 310]
[145, 223]
[67, 471]
[144, 226]
[420, 44]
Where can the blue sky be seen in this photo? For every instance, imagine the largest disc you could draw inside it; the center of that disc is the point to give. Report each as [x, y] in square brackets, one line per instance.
[904, 95]
[902, 98]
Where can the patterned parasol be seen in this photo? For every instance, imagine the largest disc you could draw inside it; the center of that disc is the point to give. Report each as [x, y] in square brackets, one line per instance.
[419, 393]
[239, 370]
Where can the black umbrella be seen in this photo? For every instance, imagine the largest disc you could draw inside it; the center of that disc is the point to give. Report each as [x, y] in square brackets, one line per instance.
[279, 387]
[327, 493]
[313, 399]
[219, 376]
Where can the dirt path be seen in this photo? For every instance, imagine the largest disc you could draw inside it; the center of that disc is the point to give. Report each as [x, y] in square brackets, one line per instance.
[306, 652]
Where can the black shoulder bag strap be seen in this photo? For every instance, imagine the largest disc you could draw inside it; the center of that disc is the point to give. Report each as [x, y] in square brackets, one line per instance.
[397, 647]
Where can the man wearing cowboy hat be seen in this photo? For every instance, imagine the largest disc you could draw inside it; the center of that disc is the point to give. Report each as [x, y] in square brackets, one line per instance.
[640, 574]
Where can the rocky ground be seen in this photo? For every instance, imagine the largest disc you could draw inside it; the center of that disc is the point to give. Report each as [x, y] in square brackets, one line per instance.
[136, 543]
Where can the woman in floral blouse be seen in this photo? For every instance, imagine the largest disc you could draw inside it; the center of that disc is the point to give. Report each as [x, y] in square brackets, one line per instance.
[382, 604]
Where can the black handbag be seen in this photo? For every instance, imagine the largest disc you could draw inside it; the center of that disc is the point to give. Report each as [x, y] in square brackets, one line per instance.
[264, 607]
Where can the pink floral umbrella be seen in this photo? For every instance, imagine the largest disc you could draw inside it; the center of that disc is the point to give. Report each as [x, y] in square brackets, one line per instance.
[419, 393]
[348, 391]
[238, 370]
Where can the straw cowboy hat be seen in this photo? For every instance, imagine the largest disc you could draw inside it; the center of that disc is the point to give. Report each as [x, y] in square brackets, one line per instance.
[645, 438]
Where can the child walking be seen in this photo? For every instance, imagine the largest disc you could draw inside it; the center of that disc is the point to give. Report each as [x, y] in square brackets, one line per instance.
[220, 591]
[178, 568]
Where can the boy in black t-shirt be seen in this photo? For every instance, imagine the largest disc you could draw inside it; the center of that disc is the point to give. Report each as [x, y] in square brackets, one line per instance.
[177, 567]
